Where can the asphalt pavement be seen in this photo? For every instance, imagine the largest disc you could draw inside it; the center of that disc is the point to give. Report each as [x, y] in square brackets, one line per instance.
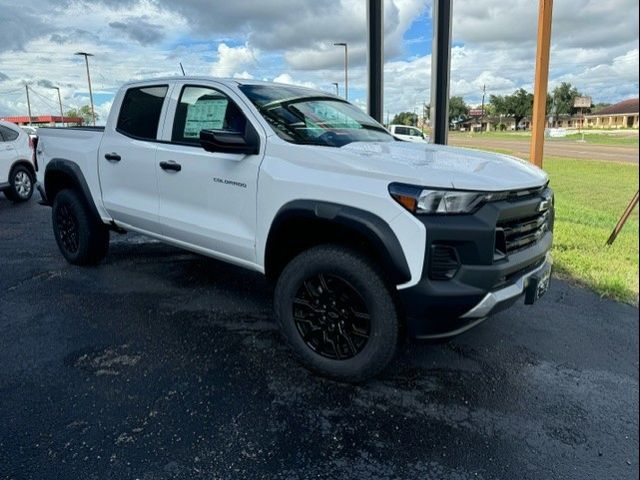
[160, 364]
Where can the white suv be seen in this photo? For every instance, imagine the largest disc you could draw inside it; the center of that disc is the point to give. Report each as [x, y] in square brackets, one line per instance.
[17, 173]
[365, 237]
[408, 134]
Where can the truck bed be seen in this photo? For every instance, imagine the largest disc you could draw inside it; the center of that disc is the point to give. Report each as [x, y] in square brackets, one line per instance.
[78, 145]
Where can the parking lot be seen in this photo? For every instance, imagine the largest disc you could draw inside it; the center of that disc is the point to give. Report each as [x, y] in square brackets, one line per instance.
[161, 364]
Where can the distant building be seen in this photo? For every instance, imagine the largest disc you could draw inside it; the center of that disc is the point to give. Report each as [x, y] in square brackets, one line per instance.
[43, 120]
[620, 115]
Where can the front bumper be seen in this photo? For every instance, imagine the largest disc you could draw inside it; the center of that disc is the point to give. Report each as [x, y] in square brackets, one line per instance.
[485, 282]
[493, 300]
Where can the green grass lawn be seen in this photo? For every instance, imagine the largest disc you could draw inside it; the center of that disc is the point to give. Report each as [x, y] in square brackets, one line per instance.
[590, 197]
[601, 139]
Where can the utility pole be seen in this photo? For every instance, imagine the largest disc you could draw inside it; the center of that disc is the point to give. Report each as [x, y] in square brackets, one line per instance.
[60, 102]
[484, 93]
[26, 86]
[86, 61]
[541, 81]
[346, 67]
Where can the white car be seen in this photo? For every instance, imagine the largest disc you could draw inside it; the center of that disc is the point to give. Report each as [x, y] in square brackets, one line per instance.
[365, 237]
[17, 172]
[408, 134]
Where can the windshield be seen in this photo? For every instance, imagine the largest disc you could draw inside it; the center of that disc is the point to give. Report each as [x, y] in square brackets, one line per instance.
[301, 116]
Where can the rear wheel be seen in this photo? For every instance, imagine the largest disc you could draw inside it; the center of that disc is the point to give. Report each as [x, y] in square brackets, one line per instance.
[81, 238]
[20, 184]
[337, 313]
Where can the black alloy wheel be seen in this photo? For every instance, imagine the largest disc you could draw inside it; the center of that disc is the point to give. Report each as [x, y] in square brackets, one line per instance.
[68, 229]
[331, 317]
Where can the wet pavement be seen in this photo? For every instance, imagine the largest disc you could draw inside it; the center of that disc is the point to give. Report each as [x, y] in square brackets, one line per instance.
[160, 364]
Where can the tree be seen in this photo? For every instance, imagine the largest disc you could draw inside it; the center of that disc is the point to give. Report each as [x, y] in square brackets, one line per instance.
[83, 112]
[458, 109]
[404, 118]
[563, 98]
[519, 105]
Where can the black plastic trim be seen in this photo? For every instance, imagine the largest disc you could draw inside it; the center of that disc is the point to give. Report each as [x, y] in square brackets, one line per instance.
[72, 171]
[372, 227]
[434, 307]
[26, 164]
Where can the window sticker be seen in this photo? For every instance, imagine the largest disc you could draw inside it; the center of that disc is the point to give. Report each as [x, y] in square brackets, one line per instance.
[205, 114]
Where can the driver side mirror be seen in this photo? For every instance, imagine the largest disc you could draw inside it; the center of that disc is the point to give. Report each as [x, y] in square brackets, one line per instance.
[222, 141]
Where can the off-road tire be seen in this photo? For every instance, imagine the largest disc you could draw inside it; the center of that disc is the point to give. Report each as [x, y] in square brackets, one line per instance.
[359, 272]
[81, 238]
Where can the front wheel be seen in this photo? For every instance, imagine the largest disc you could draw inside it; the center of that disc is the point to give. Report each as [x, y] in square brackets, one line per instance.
[337, 313]
[81, 238]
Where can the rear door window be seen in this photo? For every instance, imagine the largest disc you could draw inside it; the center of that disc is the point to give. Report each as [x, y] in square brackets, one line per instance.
[140, 112]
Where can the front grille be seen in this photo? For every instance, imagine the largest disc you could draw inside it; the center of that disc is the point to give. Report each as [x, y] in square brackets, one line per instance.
[520, 233]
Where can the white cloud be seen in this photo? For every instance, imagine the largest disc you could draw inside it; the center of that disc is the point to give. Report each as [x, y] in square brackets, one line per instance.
[232, 60]
[289, 80]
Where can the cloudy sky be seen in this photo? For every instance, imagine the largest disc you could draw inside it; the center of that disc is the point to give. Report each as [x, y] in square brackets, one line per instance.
[595, 46]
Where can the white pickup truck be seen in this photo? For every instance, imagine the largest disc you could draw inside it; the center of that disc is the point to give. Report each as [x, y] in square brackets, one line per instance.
[368, 239]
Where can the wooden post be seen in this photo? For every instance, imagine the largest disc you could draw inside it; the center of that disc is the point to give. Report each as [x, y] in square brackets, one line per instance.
[541, 82]
[625, 216]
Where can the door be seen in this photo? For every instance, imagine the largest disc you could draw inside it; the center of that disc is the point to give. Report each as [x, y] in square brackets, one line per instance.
[207, 200]
[127, 159]
[7, 152]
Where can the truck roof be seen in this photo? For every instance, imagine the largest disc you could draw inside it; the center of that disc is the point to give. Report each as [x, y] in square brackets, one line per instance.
[201, 78]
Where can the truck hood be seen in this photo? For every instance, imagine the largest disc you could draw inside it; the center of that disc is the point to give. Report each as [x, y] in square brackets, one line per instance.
[440, 166]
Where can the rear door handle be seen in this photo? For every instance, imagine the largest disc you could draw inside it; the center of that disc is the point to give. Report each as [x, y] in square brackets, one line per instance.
[170, 166]
[113, 157]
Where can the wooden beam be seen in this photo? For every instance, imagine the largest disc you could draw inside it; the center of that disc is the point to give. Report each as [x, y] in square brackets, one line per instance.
[541, 82]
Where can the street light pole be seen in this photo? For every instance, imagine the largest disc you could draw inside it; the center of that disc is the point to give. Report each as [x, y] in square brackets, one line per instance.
[346, 67]
[60, 102]
[26, 86]
[86, 60]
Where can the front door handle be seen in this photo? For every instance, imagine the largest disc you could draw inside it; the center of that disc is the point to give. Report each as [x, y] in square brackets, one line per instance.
[170, 166]
[113, 157]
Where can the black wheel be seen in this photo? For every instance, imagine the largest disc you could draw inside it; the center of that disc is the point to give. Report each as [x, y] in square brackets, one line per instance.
[337, 313]
[81, 238]
[20, 184]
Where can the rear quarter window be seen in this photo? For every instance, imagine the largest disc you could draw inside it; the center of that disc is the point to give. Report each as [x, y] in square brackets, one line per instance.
[7, 134]
[140, 112]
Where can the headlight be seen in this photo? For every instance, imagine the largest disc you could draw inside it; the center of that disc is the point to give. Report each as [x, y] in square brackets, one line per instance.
[441, 202]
